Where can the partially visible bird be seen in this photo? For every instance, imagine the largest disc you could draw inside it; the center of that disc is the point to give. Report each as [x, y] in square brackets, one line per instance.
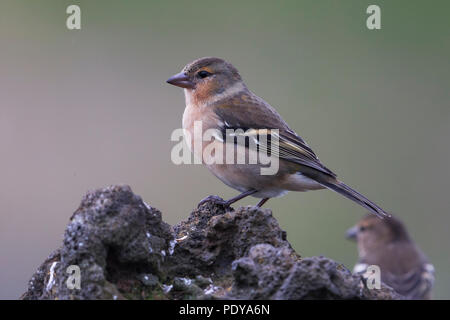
[217, 97]
[387, 244]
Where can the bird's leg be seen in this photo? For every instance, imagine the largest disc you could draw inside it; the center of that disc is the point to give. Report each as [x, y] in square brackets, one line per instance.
[260, 203]
[241, 196]
[227, 203]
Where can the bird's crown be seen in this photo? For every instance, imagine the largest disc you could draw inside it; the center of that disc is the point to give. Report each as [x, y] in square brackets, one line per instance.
[210, 64]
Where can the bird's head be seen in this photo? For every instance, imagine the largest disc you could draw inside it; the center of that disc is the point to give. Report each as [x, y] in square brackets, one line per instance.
[207, 79]
[371, 231]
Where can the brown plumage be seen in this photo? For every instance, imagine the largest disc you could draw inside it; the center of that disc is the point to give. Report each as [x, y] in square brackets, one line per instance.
[216, 95]
[387, 244]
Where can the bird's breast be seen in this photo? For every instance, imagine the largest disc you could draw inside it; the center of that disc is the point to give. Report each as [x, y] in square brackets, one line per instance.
[197, 120]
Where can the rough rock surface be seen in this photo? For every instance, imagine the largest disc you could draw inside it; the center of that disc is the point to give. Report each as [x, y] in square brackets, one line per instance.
[125, 251]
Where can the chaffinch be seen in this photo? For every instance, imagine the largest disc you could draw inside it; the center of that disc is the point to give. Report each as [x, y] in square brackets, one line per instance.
[387, 244]
[217, 98]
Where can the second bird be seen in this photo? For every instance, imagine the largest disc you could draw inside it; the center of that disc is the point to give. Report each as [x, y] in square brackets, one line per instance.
[217, 98]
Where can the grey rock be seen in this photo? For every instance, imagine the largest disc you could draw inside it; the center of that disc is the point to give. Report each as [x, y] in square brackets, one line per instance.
[112, 237]
[213, 237]
[271, 273]
[148, 279]
[125, 251]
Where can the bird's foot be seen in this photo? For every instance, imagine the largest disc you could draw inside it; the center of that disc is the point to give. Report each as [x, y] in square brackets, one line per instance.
[215, 200]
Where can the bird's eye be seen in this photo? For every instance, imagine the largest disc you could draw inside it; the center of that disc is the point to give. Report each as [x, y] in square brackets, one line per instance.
[362, 228]
[203, 74]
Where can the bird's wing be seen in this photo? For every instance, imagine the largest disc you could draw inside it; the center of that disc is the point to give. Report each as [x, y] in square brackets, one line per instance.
[255, 117]
[415, 284]
[405, 268]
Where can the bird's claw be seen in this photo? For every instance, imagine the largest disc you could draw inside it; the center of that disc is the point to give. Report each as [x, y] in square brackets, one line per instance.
[215, 200]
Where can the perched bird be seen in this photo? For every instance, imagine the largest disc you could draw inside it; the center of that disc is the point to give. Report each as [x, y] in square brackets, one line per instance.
[216, 95]
[386, 244]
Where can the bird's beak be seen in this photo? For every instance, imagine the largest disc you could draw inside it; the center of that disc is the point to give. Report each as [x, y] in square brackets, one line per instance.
[351, 233]
[181, 80]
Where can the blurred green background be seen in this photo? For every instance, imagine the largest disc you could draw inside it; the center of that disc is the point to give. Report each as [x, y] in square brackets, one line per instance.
[90, 108]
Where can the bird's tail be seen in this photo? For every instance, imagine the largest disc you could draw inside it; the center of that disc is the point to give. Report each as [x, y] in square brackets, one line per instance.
[354, 195]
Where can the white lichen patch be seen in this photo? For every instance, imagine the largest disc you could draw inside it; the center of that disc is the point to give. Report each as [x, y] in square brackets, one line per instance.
[77, 219]
[167, 288]
[211, 289]
[147, 206]
[186, 281]
[172, 244]
[51, 280]
[181, 239]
